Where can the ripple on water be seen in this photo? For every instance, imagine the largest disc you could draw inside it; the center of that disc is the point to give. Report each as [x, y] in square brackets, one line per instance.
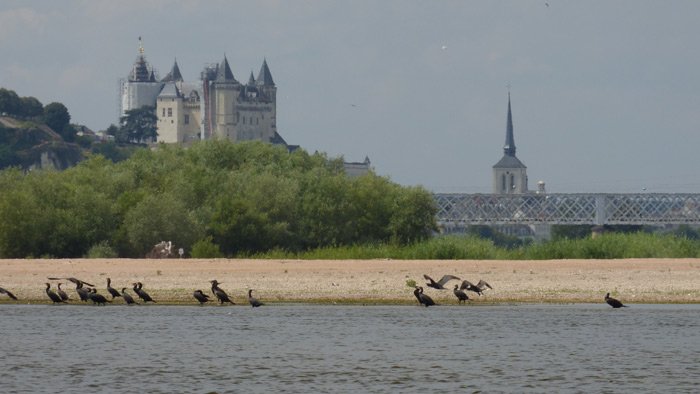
[351, 348]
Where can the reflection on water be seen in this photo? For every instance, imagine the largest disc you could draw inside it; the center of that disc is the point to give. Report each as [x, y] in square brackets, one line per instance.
[299, 348]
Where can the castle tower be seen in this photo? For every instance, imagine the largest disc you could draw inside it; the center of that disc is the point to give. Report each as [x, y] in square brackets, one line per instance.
[141, 87]
[509, 174]
[225, 91]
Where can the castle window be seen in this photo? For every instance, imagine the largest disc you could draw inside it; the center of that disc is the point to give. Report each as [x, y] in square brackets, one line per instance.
[170, 112]
[187, 119]
[244, 120]
[512, 181]
[163, 113]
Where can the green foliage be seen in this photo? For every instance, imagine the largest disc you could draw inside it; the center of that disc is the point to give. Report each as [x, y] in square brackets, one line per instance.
[139, 125]
[101, 251]
[10, 103]
[206, 248]
[246, 198]
[57, 117]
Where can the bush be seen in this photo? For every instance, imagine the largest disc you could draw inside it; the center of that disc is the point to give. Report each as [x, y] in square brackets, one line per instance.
[206, 249]
[101, 251]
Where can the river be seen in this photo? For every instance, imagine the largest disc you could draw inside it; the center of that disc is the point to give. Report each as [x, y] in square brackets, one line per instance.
[340, 348]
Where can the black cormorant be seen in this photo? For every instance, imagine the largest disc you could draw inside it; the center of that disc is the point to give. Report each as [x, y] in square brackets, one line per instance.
[82, 292]
[424, 298]
[219, 293]
[200, 296]
[253, 301]
[3, 291]
[96, 298]
[138, 289]
[461, 296]
[61, 293]
[613, 302]
[478, 288]
[53, 296]
[440, 285]
[127, 298]
[112, 291]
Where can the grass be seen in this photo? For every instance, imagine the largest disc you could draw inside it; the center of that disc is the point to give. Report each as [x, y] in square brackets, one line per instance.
[606, 246]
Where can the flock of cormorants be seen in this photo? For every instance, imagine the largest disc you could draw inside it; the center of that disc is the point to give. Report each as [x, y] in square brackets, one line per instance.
[88, 292]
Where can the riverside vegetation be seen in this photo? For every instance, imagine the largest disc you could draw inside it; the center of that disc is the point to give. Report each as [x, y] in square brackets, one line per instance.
[214, 199]
[220, 199]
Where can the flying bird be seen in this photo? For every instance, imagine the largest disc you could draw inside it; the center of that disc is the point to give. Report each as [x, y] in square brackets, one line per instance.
[613, 302]
[440, 285]
[77, 282]
[478, 288]
[3, 291]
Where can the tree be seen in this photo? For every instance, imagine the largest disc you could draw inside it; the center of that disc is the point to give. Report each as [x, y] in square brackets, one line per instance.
[31, 107]
[9, 102]
[138, 126]
[57, 117]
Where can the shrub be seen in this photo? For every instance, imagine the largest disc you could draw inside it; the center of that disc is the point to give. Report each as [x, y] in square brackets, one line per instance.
[206, 248]
[101, 250]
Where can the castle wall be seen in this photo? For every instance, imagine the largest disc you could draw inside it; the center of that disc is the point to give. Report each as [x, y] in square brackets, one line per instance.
[138, 94]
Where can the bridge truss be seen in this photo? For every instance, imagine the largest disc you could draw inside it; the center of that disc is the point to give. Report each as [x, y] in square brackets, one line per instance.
[596, 209]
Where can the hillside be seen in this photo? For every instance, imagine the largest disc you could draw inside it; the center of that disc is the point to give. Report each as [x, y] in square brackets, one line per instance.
[30, 145]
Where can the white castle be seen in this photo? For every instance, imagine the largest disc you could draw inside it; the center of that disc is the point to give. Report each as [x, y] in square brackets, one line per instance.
[216, 107]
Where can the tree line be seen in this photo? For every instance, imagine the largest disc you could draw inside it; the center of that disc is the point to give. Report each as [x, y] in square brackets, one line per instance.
[216, 198]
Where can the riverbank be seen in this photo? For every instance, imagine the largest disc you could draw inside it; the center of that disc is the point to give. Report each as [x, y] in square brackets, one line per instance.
[366, 281]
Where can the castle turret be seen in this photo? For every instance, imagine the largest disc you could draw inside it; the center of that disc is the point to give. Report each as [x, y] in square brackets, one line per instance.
[141, 87]
[509, 174]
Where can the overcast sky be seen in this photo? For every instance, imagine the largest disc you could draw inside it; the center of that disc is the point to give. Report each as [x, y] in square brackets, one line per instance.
[604, 93]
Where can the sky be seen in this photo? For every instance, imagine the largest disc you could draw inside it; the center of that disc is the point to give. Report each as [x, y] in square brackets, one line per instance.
[604, 93]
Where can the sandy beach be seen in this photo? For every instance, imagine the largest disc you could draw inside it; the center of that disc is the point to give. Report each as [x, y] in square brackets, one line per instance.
[366, 281]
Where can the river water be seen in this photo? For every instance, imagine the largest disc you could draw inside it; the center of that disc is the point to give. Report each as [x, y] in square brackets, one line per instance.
[314, 348]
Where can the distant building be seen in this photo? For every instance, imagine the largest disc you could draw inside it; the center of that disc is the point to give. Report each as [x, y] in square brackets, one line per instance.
[354, 169]
[216, 106]
[509, 174]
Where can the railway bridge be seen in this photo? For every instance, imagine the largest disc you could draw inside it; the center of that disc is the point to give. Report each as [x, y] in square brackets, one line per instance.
[539, 211]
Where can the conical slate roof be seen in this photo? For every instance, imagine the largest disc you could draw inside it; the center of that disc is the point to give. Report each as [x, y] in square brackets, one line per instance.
[224, 72]
[174, 75]
[251, 80]
[265, 77]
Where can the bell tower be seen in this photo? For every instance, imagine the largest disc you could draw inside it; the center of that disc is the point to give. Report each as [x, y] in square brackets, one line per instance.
[509, 174]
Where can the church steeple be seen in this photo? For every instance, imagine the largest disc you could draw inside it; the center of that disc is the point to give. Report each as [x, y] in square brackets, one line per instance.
[509, 147]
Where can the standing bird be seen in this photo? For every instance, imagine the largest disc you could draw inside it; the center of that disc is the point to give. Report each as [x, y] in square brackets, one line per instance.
[53, 296]
[61, 293]
[424, 299]
[416, 293]
[3, 291]
[127, 298]
[254, 302]
[200, 296]
[82, 292]
[97, 299]
[219, 293]
[77, 282]
[138, 289]
[478, 288]
[461, 296]
[613, 302]
[112, 291]
[440, 285]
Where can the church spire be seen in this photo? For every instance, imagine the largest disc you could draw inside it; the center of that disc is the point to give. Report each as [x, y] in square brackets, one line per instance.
[509, 147]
